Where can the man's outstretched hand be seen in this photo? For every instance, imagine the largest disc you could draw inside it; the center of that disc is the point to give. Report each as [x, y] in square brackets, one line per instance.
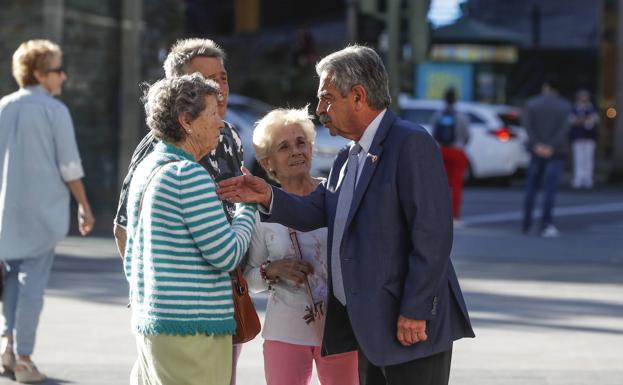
[245, 188]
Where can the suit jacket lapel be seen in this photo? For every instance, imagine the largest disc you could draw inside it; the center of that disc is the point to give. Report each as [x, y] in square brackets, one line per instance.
[371, 163]
[334, 174]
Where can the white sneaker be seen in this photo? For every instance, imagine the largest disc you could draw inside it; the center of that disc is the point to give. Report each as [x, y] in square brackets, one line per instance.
[27, 373]
[8, 360]
[550, 232]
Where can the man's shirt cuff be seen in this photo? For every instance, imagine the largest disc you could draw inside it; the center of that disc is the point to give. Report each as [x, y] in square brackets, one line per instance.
[267, 210]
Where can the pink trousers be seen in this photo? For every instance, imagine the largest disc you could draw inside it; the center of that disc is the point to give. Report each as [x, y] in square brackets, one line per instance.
[289, 364]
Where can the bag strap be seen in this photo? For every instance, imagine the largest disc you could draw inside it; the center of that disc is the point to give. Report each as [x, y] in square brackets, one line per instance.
[299, 255]
[149, 179]
[239, 284]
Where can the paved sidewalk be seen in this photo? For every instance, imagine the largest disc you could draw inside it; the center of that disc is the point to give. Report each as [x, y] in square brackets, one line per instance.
[545, 311]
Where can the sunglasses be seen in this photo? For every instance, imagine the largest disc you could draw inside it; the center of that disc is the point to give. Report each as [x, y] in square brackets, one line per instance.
[58, 70]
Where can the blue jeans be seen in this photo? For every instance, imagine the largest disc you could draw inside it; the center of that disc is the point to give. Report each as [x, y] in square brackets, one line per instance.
[24, 283]
[546, 172]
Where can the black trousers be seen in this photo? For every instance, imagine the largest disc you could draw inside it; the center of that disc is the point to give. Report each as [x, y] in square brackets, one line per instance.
[432, 370]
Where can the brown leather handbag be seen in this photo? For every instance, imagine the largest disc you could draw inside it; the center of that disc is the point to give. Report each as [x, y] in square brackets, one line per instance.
[247, 322]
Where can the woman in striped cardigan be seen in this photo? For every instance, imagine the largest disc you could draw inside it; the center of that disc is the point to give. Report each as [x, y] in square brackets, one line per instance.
[180, 245]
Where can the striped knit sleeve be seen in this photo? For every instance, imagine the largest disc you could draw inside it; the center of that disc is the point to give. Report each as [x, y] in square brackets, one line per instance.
[221, 244]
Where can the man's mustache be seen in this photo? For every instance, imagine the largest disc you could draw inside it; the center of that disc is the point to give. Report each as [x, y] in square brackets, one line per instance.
[324, 119]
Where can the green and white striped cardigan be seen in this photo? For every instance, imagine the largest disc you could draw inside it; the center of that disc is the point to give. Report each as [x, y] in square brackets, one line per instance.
[181, 247]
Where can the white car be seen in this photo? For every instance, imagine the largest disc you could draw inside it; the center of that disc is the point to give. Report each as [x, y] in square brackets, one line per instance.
[493, 150]
[326, 148]
[511, 116]
[243, 112]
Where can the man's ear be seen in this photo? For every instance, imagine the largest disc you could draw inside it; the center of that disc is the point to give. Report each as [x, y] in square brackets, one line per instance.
[359, 95]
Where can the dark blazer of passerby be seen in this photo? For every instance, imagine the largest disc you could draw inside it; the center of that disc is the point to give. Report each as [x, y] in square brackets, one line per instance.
[393, 292]
[40, 168]
[450, 129]
[546, 120]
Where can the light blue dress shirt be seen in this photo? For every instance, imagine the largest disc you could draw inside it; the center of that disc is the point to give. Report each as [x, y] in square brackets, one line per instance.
[366, 142]
[38, 155]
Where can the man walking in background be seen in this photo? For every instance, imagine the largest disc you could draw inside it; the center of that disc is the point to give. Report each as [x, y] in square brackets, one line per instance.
[546, 119]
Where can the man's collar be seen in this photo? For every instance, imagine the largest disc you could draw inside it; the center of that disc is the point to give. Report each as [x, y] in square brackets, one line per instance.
[368, 135]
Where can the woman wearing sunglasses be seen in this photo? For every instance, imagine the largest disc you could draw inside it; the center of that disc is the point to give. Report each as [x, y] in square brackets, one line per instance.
[39, 168]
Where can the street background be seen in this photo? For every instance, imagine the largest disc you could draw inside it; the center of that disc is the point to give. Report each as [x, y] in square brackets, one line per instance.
[545, 311]
[492, 52]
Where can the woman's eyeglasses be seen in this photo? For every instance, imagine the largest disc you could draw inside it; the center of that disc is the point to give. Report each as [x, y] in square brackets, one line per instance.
[58, 70]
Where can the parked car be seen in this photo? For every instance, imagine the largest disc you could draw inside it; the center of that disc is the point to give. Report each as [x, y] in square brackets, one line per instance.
[326, 148]
[511, 116]
[243, 112]
[494, 149]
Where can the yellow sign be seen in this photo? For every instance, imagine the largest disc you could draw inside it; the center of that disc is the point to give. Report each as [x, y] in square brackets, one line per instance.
[474, 53]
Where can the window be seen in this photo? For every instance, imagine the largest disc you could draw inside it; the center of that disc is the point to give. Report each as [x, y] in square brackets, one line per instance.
[418, 115]
[473, 118]
[510, 118]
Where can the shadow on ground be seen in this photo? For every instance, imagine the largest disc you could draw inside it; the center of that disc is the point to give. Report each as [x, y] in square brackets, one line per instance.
[90, 279]
[490, 309]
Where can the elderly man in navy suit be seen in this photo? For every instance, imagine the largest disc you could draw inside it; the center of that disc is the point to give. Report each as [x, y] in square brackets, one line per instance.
[393, 294]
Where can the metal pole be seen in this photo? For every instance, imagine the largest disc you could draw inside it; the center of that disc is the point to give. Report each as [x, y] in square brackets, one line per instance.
[53, 16]
[418, 34]
[130, 110]
[617, 171]
[351, 20]
[393, 53]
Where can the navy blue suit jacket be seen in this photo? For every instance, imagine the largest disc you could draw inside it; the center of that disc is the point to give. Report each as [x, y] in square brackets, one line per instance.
[395, 252]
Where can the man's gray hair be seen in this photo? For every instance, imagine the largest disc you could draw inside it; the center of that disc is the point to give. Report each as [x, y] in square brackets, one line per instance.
[184, 51]
[167, 98]
[354, 65]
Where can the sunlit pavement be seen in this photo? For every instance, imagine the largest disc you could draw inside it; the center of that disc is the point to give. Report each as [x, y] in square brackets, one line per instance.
[545, 311]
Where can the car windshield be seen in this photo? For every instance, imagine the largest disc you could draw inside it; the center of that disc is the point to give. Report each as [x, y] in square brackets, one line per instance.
[251, 111]
[417, 115]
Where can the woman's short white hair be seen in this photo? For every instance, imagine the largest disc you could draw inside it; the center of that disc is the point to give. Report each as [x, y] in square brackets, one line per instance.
[265, 128]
